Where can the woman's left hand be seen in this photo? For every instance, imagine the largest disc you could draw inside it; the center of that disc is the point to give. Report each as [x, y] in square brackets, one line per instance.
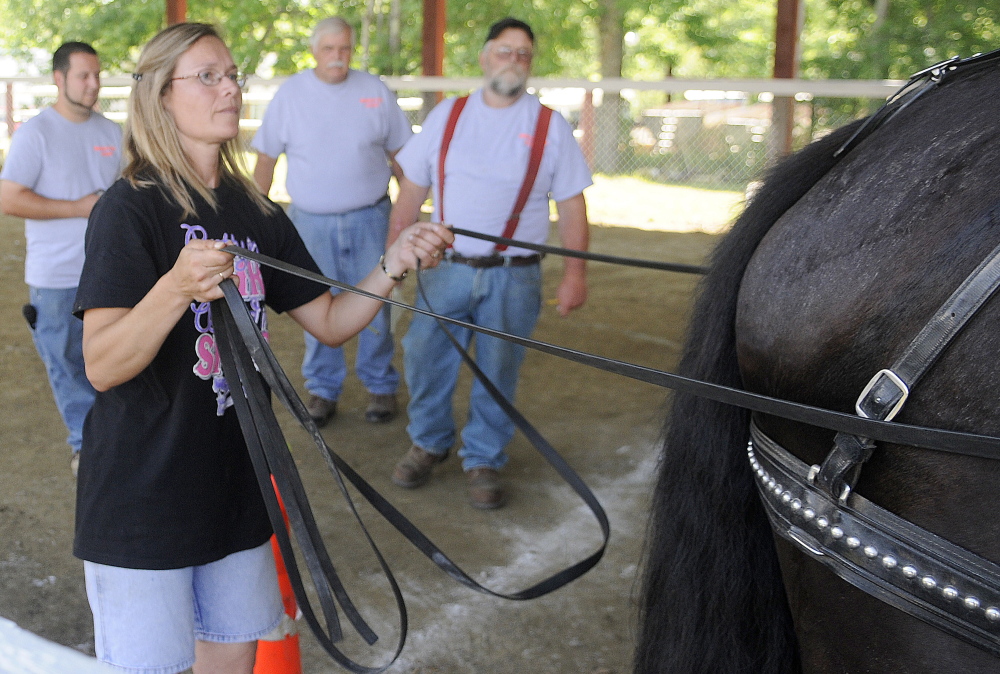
[423, 241]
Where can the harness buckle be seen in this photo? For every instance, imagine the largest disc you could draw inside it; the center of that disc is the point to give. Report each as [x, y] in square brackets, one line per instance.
[883, 397]
[845, 489]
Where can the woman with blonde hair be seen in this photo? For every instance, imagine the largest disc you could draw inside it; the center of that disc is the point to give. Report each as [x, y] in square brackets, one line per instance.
[170, 523]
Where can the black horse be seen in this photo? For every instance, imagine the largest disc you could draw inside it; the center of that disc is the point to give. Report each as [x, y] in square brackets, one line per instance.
[835, 265]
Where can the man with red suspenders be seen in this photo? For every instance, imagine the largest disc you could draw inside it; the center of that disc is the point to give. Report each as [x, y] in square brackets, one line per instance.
[491, 161]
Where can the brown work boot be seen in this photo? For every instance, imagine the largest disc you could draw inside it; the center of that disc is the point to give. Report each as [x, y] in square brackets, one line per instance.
[414, 469]
[485, 489]
[381, 407]
[321, 410]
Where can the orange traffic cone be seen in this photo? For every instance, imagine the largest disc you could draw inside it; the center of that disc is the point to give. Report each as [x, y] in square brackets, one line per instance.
[281, 656]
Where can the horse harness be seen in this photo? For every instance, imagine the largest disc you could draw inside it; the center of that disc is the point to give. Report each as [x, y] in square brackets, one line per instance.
[884, 555]
[916, 86]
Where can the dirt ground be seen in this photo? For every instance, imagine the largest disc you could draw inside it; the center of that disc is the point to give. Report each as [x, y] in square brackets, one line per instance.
[605, 426]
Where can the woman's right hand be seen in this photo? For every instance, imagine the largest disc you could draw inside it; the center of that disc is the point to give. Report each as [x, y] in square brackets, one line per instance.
[118, 342]
[200, 268]
[422, 244]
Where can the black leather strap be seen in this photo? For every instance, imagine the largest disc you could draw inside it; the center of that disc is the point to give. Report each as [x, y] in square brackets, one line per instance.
[245, 352]
[586, 255]
[887, 392]
[918, 84]
[971, 444]
[885, 556]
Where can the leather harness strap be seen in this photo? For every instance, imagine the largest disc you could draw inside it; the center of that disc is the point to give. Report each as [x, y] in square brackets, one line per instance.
[244, 353]
[980, 587]
[888, 390]
[918, 84]
[534, 162]
[919, 573]
[881, 554]
[587, 255]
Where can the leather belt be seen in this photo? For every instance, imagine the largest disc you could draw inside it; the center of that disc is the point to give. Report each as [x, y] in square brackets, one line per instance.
[490, 261]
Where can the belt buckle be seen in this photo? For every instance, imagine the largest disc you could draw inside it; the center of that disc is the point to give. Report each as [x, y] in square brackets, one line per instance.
[872, 400]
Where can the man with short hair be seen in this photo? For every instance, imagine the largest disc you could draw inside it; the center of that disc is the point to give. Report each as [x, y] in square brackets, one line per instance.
[59, 163]
[339, 129]
[487, 142]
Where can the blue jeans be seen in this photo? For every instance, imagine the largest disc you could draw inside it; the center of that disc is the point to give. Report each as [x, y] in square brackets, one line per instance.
[502, 298]
[347, 247]
[58, 337]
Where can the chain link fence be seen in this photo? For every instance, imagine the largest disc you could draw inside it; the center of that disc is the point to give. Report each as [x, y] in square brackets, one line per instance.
[716, 134]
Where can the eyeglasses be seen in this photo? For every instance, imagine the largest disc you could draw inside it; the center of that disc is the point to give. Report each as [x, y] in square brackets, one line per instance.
[211, 78]
[508, 53]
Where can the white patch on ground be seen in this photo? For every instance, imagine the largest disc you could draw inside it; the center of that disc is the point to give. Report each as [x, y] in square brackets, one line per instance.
[443, 634]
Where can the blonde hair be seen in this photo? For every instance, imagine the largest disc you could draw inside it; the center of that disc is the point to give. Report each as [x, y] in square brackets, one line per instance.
[152, 149]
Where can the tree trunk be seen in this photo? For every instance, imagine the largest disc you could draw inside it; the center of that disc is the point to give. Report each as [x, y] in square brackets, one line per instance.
[395, 36]
[881, 12]
[366, 31]
[609, 132]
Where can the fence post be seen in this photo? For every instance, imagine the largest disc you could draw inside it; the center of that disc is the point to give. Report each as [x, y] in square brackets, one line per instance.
[9, 109]
[587, 127]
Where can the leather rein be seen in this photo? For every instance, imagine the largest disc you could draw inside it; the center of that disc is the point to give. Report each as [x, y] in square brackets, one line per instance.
[246, 358]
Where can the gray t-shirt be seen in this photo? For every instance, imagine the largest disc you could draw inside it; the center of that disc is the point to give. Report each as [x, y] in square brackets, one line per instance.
[335, 138]
[60, 159]
[485, 166]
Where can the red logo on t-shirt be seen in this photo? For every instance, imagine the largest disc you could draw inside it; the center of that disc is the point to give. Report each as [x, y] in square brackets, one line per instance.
[105, 150]
[371, 102]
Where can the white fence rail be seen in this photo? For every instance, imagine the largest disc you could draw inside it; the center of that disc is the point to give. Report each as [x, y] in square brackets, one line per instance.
[710, 133]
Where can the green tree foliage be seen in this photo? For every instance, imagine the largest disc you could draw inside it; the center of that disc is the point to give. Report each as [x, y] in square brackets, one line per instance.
[841, 39]
[118, 28]
[701, 38]
[891, 39]
[683, 38]
[279, 29]
[563, 34]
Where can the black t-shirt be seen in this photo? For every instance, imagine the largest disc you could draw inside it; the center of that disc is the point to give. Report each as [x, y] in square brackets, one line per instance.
[165, 479]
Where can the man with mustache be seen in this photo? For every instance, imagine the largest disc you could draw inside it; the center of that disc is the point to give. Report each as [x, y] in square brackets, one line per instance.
[339, 129]
[490, 144]
[59, 164]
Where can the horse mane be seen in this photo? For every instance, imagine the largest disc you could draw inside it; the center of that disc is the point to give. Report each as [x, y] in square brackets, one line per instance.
[712, 598]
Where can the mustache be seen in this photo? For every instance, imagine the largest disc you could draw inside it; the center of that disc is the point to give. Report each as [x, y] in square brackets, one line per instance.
[336, 64]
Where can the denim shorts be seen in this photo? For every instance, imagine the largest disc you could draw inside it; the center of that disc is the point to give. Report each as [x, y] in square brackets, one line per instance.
[146, 622]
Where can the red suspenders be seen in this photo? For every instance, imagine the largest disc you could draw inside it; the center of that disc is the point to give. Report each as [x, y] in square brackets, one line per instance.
[449, 131]
[534, 161]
